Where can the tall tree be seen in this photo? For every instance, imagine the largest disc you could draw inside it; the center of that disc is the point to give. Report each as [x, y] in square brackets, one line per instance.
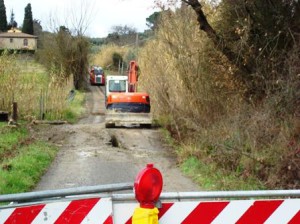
[122, 35]
[37, 27]
[28, 21]
[124, 30]
[3, 20]
[12, 22]
[152, 20]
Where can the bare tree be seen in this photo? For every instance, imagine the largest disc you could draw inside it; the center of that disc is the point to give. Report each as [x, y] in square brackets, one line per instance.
[265, 32]
[69, 47]
[122, 35]
[81, 16]
[218, 41]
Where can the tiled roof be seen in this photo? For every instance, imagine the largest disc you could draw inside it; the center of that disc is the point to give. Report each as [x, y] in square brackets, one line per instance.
[17, 35]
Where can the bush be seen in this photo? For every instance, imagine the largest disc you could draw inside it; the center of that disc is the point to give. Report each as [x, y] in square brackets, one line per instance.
[197, 95]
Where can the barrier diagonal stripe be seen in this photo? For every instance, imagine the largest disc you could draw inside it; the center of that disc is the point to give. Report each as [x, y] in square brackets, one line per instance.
[295, 219]
[129, 221]
[24, 215]
[165, 207]
[205, 212]
[259, 212]
[109, 220]
[285, 212]
[51, 212]
[100, 213]
[76, 211]
[178, 212]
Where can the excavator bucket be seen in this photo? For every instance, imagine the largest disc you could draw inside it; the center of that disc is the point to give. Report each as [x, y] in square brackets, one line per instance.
[114, 118]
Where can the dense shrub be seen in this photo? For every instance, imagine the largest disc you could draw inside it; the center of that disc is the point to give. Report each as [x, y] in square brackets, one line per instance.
[246, 123]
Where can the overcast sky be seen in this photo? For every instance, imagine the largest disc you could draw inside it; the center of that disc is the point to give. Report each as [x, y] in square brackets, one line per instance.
[102, 14]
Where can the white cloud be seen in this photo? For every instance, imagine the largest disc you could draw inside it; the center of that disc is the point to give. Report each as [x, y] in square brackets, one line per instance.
[103, 13]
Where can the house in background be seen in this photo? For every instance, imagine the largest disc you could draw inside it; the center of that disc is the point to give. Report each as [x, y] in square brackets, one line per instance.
[16, 40]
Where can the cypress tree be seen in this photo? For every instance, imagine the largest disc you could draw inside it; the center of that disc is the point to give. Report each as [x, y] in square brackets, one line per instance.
[3, 20]
[12, 23]
[28, 21]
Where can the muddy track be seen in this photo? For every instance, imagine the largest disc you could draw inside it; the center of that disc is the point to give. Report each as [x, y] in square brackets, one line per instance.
[90, 154]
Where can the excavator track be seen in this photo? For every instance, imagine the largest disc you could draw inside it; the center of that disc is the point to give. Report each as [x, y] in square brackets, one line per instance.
[114, 119]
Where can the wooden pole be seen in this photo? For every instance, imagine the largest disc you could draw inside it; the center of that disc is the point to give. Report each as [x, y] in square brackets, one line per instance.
[15, 111]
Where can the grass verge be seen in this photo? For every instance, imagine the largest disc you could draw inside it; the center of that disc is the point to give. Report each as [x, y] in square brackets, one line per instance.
[22, 172]
[23, 160]
[209, 177]
[206, 174]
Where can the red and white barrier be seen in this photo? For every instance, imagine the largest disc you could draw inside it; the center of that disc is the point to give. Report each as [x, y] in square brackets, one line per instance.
[92, 210]
[222, 212]
[102, 210]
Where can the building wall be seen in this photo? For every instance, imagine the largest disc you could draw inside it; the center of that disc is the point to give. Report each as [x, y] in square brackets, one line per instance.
[18, 43]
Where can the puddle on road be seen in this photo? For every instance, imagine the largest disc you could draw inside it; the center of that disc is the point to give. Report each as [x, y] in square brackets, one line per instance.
[86, 154]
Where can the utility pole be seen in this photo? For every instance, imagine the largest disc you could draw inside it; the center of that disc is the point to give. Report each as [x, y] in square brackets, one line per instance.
[137, 40]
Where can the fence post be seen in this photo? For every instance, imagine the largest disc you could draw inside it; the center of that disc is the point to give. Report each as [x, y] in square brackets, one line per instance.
[42, 114]
[15, 111]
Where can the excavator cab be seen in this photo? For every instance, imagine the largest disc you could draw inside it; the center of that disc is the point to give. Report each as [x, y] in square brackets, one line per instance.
[124, 105]
[117, 86]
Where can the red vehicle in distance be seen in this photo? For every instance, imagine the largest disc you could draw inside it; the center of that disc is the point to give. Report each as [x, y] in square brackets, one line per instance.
[97, 76]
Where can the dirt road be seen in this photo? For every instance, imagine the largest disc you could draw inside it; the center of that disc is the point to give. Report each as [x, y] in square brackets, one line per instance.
[88, 157]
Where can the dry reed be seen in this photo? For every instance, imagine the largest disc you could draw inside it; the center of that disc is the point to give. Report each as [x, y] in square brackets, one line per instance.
[28, 84]
[195, 96]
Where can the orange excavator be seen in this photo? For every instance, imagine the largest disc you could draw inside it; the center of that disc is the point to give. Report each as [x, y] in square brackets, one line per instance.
[124, 105]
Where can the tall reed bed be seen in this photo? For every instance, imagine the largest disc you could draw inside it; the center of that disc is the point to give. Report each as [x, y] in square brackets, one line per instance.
[189, 81]
[195, 95]
[104, 57]
[38, 92]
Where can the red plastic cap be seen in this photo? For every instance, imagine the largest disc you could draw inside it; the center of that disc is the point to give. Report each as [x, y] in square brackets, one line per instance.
[150, 165]
[148, 186]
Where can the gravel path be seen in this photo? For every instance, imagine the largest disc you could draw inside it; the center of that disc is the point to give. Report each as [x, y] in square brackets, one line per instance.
[87, 156]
